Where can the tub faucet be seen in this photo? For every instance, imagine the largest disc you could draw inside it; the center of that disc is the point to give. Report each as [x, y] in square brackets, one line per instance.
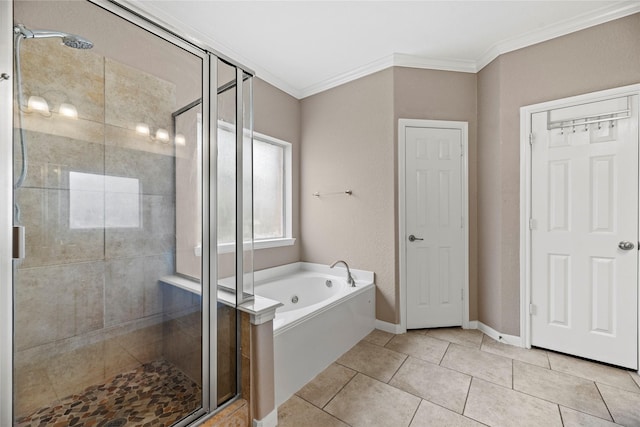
[350, 280]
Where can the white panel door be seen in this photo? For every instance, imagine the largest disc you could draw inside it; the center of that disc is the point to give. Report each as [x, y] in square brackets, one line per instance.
[584, 287]
[435, 259]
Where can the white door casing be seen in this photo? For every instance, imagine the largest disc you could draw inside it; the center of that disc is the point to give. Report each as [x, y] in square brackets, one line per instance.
[433, 206]
[584, 202]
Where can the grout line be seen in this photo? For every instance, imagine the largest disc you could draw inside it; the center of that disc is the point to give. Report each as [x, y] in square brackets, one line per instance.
[561, 419]
[415, 412]
[466, 398]
[465, 406]
[546, 353]
[338, 392]
[331, 415]
[444, 354]
[397, 388]
[557, 403]
[302, 397]
[399, 367]
[634, 381]
[604, 401]
[385, 344]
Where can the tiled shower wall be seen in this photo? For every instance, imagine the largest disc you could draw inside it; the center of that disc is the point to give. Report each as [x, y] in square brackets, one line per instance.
[88, 303]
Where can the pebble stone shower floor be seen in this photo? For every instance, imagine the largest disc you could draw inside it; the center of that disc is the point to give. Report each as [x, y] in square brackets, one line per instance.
[155, 394]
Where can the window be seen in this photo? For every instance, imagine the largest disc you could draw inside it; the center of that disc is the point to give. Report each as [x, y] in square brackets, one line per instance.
[271, 190]
[103, 201]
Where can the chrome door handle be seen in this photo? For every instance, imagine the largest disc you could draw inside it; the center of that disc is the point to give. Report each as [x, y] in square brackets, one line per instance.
[626, 246]
[413, 238]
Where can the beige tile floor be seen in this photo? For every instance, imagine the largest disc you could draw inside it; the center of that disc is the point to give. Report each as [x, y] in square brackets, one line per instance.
[455, 377]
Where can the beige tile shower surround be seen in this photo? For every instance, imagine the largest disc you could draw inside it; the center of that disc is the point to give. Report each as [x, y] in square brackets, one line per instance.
[109, 314]
[456, 377]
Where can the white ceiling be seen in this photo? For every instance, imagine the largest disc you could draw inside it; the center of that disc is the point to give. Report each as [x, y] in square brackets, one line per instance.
[304, 47]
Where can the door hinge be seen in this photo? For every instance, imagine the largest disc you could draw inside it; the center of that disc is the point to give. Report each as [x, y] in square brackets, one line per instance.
[531, 139]
[461, 294]
[532, 224]
[532, 309]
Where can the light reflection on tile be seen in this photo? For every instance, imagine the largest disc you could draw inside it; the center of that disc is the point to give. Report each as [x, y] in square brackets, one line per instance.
[431, 382]
[499, 406]
[326, 384]
[624, 405]
[365, 402]
[568, 390]
[476, 363]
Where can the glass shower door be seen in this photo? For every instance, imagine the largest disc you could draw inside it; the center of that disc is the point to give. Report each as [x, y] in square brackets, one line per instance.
[108, 307]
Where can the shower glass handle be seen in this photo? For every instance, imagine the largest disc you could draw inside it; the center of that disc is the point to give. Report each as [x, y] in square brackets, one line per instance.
[413, 238]
[18, 242]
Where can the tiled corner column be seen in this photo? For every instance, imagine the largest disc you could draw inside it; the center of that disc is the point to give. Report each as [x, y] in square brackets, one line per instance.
[258, 385]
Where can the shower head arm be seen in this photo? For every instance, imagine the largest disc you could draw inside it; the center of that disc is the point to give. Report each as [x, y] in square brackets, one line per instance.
[43, 34]
[37, 34]
[70, 40]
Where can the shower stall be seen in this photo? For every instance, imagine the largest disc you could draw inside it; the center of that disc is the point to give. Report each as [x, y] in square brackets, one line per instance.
[115, 198]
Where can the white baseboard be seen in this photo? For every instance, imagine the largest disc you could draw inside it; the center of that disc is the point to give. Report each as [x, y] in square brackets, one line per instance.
[473, 324]
[270, 420]
[503, 338]
[390, 327]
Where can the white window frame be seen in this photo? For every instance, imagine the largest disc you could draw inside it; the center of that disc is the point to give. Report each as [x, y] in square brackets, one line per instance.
[288, 239]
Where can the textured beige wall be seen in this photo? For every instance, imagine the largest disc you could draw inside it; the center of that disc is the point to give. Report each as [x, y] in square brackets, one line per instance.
[489, 188]
[350, 142]
[441, 95]
[277, 114]
[347, 135]
[601, 57]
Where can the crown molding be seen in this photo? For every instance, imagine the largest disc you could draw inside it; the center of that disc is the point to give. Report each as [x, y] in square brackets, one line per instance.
[580, 22]
[413, 61]
[616, 10]
[348, 76]
[393, 60]
[568, 26]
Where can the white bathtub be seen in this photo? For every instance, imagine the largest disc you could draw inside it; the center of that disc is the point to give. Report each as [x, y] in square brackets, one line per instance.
[325, 322]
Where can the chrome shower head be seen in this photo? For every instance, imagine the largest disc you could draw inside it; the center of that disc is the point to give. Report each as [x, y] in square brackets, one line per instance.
[70, 40]
[77, 42]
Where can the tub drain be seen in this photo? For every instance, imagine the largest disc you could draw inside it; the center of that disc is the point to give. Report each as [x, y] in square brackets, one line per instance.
[118, 422]
[294, 299]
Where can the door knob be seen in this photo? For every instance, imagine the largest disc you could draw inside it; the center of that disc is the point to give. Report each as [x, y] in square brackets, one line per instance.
[413, 238]
[625, 246]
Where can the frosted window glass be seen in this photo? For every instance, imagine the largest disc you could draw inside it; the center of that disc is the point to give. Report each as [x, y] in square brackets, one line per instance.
[121, 202]
[98, 201]
[86, 200]
[268, 189]
[226, 187]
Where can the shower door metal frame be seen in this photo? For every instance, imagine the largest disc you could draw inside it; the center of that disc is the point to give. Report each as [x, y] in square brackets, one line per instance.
[6, 212]
[209, 345]
[6, 202]
[209, 234]
[180, 38]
